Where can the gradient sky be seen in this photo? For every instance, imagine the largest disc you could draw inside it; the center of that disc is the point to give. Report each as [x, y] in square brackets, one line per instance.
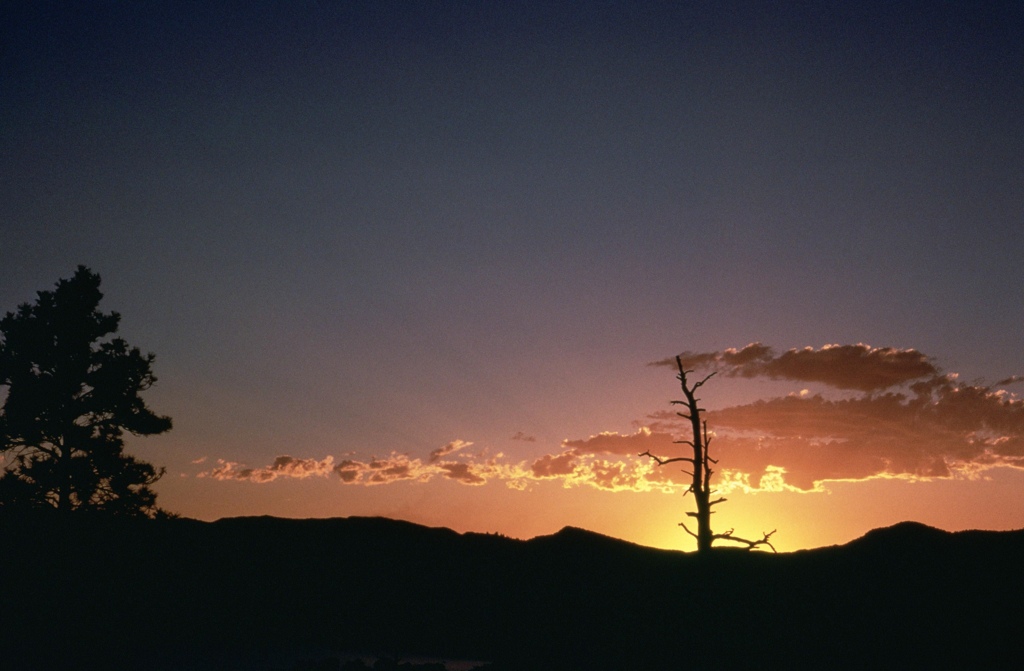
[421, 259]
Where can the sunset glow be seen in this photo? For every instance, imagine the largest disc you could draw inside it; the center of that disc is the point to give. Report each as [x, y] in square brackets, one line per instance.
[435, 263]
[905, 421]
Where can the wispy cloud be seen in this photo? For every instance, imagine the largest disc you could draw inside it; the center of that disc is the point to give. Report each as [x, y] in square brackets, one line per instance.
[449, 448]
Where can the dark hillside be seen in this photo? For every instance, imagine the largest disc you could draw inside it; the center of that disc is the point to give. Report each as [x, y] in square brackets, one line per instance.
[237, 593]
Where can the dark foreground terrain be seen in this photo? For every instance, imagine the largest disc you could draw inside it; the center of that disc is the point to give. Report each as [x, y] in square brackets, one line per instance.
[239, 593]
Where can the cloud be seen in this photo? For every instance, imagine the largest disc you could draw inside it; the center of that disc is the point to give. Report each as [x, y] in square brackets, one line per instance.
[577, 464]
[555, 465]
[284, 466]
[928, 425]
[572, 467]
[857, 367]
[462, 472]
[901, 417]
[583, 462]
[610, 442]
[393, 468]
[748, 356]
[396, 467]
[447, 449]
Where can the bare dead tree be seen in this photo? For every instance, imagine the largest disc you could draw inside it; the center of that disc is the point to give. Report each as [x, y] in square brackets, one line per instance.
[701, 472]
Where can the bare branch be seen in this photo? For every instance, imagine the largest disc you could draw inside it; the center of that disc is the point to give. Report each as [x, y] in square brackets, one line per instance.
[662, 462]
[764, 540]
[694, 388]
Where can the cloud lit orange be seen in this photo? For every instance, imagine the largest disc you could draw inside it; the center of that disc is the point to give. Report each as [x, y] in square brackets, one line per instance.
[901, 417]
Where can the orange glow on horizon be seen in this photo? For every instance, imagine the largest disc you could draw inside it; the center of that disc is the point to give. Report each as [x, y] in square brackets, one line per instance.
[841, 512]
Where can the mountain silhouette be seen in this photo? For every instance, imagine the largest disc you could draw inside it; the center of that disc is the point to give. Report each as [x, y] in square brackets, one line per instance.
[247, 593]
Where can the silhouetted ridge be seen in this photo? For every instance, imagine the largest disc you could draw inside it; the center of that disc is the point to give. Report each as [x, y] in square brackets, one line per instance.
[176, 594]
[904, 532]
[576, 535]
[342, 524]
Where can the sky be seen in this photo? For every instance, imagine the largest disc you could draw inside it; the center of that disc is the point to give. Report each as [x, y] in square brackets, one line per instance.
[434, 260]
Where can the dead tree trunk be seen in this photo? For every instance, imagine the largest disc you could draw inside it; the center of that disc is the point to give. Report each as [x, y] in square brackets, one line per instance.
[701, 472]
[700, 462]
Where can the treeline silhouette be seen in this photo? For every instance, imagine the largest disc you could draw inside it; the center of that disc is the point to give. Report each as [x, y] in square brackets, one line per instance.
[241, 593]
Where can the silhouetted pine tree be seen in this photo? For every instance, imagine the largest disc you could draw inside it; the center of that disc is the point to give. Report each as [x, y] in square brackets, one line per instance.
[72, 392]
